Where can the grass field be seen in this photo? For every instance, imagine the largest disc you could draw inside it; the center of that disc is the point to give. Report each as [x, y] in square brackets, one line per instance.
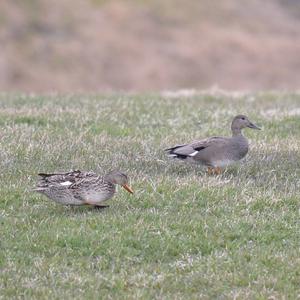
[183, 234]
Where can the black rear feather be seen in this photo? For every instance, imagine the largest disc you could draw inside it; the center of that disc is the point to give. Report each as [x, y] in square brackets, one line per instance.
[199, 148]
[176, 155]
[45, 175]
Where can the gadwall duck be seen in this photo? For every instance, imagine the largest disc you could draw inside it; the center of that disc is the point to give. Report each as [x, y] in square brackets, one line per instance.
[217, 152]
[81, 188]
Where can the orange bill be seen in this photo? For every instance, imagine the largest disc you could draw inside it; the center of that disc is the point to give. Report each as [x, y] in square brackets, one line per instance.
[127, 188]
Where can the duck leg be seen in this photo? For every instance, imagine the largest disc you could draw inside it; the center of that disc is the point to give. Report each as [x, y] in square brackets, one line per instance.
[218, 171]
[214, 171]
[96, 206]
[100, 206]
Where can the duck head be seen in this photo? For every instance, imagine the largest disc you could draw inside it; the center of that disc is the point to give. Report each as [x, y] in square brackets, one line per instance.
[240, 122]
[117, 177]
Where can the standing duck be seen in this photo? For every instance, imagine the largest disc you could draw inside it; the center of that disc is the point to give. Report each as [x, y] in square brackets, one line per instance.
[217, 152]
[81, 188]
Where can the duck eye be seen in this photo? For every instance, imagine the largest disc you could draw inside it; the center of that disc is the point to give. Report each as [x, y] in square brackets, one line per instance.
[243, 118]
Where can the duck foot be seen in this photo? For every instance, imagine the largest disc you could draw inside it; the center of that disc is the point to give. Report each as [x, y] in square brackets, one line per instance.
[100, 206]
[214, 171]
[219, 171]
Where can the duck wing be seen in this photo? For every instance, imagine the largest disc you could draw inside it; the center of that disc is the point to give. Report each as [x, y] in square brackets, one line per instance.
[67, 178]
[193, 148]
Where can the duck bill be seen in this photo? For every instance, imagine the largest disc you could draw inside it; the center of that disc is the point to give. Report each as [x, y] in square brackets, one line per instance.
[127, 188]
[253, 126]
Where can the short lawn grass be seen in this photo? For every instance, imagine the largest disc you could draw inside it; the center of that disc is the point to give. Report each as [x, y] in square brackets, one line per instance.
[183, 234]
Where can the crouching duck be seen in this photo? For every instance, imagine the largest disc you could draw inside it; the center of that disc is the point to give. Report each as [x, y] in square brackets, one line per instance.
[81, 188]
[217, 152]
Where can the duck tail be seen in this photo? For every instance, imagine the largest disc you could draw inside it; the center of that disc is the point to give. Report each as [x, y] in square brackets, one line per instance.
[39, 189]
[45, 175]
[171, 152]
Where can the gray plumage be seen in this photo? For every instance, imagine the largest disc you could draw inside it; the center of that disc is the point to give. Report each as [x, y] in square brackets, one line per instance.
[217, 151]
[80, 188]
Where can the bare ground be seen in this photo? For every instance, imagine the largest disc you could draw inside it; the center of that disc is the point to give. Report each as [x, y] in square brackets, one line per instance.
[77, 45]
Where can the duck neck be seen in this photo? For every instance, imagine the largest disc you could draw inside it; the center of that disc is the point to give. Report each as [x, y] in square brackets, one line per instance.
[109, 177]
[236, 131]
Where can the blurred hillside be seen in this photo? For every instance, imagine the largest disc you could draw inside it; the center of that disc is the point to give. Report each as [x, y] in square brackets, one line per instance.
[96, 45]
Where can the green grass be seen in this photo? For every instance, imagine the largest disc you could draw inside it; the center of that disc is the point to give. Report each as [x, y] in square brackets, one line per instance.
[183, 234]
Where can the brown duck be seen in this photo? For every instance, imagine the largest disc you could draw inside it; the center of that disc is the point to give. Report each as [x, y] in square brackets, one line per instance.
[81, 188]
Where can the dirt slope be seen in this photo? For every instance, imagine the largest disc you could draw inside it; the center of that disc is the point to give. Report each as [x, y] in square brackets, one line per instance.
[81, 45]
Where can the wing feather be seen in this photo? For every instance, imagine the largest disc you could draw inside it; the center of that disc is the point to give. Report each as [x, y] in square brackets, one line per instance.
[193, 148]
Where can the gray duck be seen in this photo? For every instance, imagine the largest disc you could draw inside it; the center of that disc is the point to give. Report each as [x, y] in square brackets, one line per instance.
[216, 152]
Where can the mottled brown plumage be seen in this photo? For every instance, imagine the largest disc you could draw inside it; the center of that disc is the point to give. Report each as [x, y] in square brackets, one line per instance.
[81, 188]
